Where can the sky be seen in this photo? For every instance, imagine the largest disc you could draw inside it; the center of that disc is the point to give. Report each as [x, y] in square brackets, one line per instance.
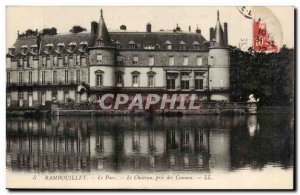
[135, 18]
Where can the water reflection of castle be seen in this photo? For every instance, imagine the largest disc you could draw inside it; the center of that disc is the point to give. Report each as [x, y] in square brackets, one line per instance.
[119, 143]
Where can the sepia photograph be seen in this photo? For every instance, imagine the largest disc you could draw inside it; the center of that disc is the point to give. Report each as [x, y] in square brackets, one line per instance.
[137, 97]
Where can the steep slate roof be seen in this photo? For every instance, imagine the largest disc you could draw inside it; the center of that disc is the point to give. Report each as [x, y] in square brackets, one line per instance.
[123, 38]
[160, 38]
[29, 41]
[219, 34]
[66, 39]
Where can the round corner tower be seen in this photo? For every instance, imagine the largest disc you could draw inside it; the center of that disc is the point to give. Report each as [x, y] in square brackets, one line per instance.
[219, 65]
[101, 56]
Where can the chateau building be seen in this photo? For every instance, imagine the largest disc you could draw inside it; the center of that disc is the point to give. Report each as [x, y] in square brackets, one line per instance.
[81, 67]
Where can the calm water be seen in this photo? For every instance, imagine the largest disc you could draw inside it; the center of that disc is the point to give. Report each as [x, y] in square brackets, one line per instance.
[149, 144]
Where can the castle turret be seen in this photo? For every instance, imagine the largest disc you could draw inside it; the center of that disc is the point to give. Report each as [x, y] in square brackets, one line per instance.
[102, 56]
[219, 65]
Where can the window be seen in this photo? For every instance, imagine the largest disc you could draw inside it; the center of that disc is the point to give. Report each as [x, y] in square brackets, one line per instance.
[151, 60]
[21, 97]
[135, 78]
[82, 60]
[66, 60]
[77, 76]
[99, 80]
[8, 62]
[43, 99]
[20, 79]
[196, 47]
[35, 63]
[119, 60]
[168, 45]
[185, 81]
[44, 61]
[66, 77]
[30, 62]
[199, 84]
[183, 47]
[43, 77]
[199, 61]
[119, 80]
[8, 78]
[55, 61]
[54, 95]
[20, 64]
[54, 77]
[60, 62]
[8, 97]
[135, 60]
[185, 85]
[78, 58]
[185, 61]
[30, 78]
[151, 80]
[48, 61]
[171, 61]
[171, 80]
[199, 80]
[171, 83]
[149, 46]
[99, 58]
[131, 46]
[66, 96]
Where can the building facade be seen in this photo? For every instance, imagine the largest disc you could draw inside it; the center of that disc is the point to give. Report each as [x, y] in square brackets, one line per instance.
[81, 67]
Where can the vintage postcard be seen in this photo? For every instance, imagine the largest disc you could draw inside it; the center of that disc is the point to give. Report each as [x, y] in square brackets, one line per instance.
[150, 97]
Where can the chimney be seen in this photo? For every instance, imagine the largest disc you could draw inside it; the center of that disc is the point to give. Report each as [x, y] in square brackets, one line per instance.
[211, 33]
[177, 28]
[198, 30]
[189, 28]
[123, 27]
[226, 33]
[94, 28]
[148, 28]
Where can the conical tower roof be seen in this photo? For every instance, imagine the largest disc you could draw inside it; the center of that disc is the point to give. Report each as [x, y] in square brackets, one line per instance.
[219, 34]
[103, 38]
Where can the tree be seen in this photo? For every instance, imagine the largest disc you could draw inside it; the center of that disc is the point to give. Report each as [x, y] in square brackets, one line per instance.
[77, 29]
[49, 31]
[269, 76]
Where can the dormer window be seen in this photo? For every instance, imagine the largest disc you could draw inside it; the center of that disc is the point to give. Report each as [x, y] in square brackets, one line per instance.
[60, 47]
[100, 42]
[48, 47]
[149, 46]
[33, 49]
[72, 46]
[24, 49]
[11, 51]
[168, 45]
[182, 45]
[83, 46]
[131, 45]
[118, 46]
[99, 58]
[196, 45]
